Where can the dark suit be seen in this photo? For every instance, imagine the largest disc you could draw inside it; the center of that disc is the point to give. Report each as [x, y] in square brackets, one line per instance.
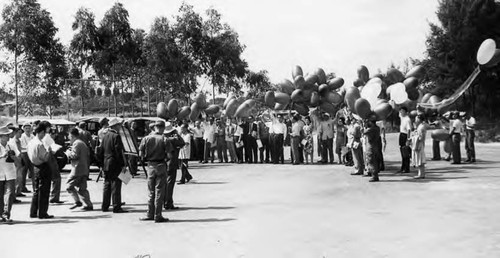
[111, 156]
[177, 143]
[249, 141]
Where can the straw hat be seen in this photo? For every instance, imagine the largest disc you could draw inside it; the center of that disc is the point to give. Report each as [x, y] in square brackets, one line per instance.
[5, 130]
[168, 127]
[114, 121]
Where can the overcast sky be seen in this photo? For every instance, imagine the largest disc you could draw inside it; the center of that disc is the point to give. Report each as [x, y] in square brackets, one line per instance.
[336, 35]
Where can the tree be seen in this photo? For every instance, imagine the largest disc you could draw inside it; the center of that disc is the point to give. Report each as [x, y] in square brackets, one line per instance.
[451, 52]
[258, 83]
[28, 32]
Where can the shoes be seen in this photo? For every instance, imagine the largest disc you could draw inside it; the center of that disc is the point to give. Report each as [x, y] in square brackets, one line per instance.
[88, 208]
[160, 220]
[120, 211]
[447, 159]
[104, 210]
[473, 161]
[146, 219]
[181, 183]
[455, 163]
[6, 220]
[16, 201]
[20, 195]
[368, 175]
[56, 201]
[418, 177]
[204, 162]
[189, 179]
[171, 207]
[46, 216]
[356, 173]
[78, 204]
[33, 216]
[373, 179]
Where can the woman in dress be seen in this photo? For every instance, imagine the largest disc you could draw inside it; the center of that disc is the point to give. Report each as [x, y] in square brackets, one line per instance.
[354, 135]
[419, 145]
[308, 137]
[185, 154]
[373, 148]
[340, 139]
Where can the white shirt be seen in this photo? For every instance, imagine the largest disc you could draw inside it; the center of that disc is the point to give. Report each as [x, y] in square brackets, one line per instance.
[13, 146]
[470, 123]
[458, 125]
[279, 128]
[238, 131]
[7, 170]
[25, 139]
[198, 132]
[185, 152]
[37, 152]
[209, 133]
[405, 124]
[48, 141]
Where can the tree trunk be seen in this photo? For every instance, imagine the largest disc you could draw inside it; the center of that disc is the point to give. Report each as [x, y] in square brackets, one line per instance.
[15, 85]
[109, 108]
[149, 100]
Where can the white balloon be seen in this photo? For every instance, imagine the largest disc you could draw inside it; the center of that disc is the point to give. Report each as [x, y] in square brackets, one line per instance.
[375, 80]
[398, 93]
[371, 91]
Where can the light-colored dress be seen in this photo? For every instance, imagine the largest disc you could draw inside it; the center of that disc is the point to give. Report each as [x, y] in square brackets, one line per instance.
[185, 152]
[308, 148]
[418, 142]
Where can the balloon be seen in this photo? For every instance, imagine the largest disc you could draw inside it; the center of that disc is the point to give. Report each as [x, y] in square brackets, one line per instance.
[486, 51]
[321, 75]
[363, 73]
[269, 99]
[195, 112]
[227, 100]
[323, 90]
[378, 75]
[302, 109]
[417, 72]
[296, 71]
[311, 79]
[398, 93]
[307, 95]
[382, 111]
[447, 146]
[282, 98]
[328, 108]
[494, 60]
[183, 113]
[299, 82]
[212, 109]
[298, 96]
[380, 101]
[413, 93]
[363, 108]
[434, 99]
[314, 101]
[351, 95]
[231, 108]
[161, 110]
[201, 101]
[394, 75]
[358, 83]
[286, 86]
[243, 110]
[172, 108]
[388, 90]
[250, 102]
[333, 97]
[411, 82]
[371, 91]
[375, 80]
[335, 83]
[426, 97]
[280, 106]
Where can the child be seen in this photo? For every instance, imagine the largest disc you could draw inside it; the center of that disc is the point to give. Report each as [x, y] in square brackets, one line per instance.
[309, 145]
[341, 140]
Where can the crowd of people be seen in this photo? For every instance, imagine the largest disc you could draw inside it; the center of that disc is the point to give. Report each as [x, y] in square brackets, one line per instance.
[35, 151]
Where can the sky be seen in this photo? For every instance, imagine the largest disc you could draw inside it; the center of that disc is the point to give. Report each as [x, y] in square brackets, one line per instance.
[336, 35]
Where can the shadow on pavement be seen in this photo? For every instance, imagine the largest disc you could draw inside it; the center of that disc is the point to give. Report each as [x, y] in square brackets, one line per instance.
[206, 183]
[207, 208]
[85, 217]
[41, 222]
[201, 220]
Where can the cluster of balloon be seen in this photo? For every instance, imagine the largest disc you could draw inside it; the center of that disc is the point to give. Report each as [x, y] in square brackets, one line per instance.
[306, 91]
[172, 110]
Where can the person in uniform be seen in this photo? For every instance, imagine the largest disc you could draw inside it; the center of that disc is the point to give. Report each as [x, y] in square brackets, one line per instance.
[111, 157]
[199, 148]
[263, 136]
[220, 138]
[154, 149]
[39, 156]
[78, 153]
[295, 140]
[230, 130]
[209, 137]
[177, 143]
[470, 125]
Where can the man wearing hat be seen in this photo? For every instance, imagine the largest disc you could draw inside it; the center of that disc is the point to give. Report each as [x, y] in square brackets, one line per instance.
[173, 138]
[470, 124]
[326, 133]
[456, 129]
[26, 137]
[155, 150]
[280, 130]
[7, 174]
[111, 157]
[40, 158]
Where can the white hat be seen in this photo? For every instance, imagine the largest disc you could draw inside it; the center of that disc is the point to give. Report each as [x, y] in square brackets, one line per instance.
[5, 130]
[114, 121]
[168, 127]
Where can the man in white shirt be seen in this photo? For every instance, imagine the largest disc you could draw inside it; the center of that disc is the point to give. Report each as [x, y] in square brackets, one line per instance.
[209, 137]
[295, 136]
[47, 140]
[7, 174]
[326, 133]
[470, 125]
[456, 129]
[279, 129]
[404, 131]
[198, 132]
[26, 137]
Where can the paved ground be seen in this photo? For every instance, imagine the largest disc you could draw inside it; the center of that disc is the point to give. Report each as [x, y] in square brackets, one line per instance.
[285, 211]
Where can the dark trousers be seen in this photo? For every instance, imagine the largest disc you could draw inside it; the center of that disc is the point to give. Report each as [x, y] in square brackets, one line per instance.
[157, 173]
[250, 148]
[295, 143]
[455, 147]
[239, 151]
[185, 171]
[278, 149]
[112, 190]
[265, 148]
[469, 145]
[27, 167]
[405, 164]
[77, 188]
[222, 149]
[133, 164]
[436, 151]
[41, 191]
[327, 150]
[199, 148]
[209, 152]
[169, 188]
[7, 196]
[271, 146]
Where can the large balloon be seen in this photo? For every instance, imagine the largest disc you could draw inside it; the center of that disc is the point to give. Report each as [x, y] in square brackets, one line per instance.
[195, 112]
[286, 86]
[398, 93]
[231, 107]
[311, 79]
[201, 101]
[358, 82]
[486, 51]
[394, 75]
[299, 82]
[280, 106]
[333, 97]
[335, 83]
[250, 102]
[371, 91]
[417, 72]
[351, 95]
[434, 99]
[328, 108]
[363, 108]
[302, 109]
[321, 75]
[161, 110]
[426, 97]
[212, 109]
[411, 82]
[413, 93]
[227, 101]
[323, 90]
[282, 98]
[172, 107]
[269, 99]
[296, 71]
[363, 73]
[183, 113]
[314, 102]
[298, 96]
[243, 110]
[382, 111]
